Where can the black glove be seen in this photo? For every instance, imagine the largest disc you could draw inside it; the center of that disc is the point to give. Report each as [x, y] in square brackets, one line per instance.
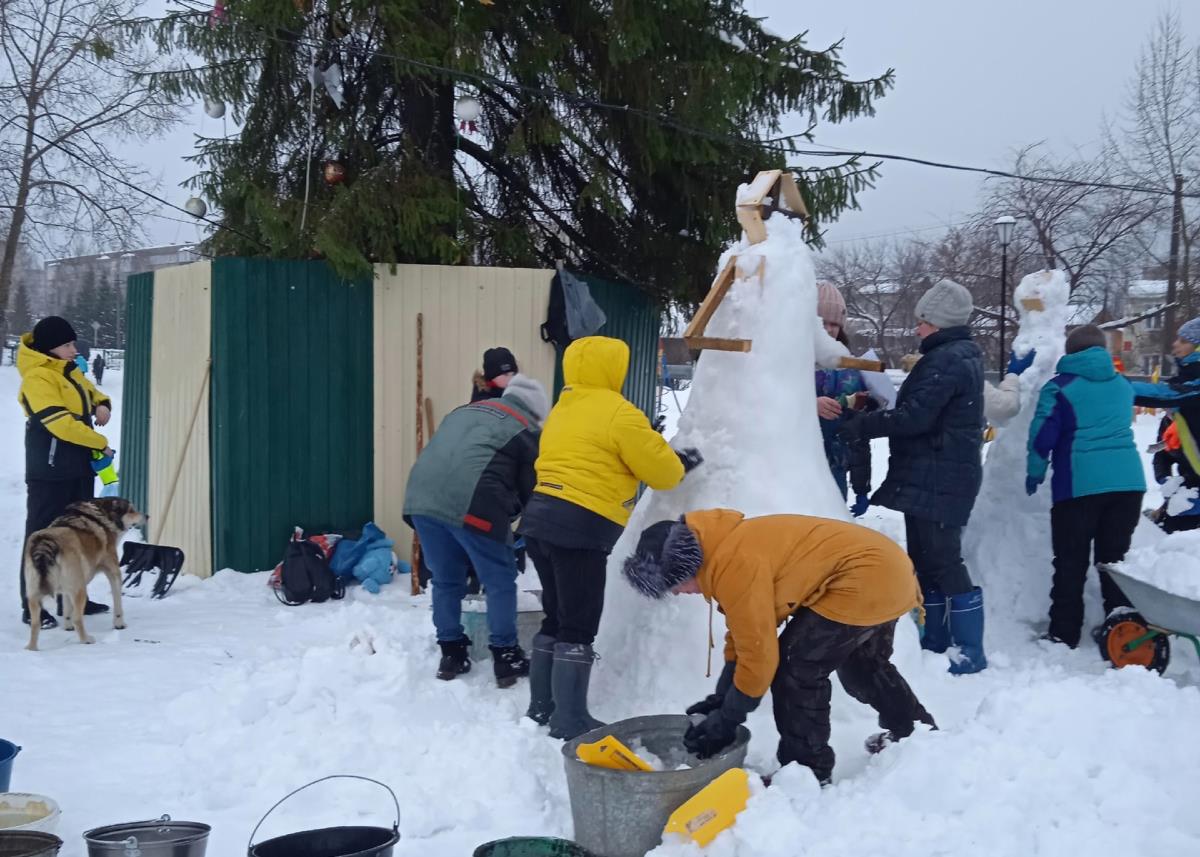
[852, 427]
[690, 457]
[719, 729]
[660, 423]
[713, 701]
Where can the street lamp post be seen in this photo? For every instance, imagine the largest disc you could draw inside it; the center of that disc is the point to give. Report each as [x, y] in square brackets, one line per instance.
[1004, 231]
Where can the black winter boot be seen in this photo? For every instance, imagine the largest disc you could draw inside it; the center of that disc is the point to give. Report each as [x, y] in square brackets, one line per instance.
[456, 659]
[48, 621]
[569, 686]
[541, 668]
[93, 608]
[509, 664]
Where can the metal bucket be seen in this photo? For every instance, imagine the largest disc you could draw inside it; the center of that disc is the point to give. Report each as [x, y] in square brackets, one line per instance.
[530, 846]
[159, 838]
[623, 813]
[474, 621]
[8, 754]
[330, 841]
[28, 843]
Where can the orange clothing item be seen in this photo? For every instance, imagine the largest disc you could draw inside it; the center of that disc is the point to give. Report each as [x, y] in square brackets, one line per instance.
[761, 570]
[1171, 438]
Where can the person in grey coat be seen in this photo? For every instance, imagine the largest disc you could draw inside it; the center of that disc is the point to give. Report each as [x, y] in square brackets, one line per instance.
[468, 485]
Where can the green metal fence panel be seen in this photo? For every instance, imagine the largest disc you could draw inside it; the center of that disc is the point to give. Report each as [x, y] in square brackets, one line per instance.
[134, 461]
[633, 317]
[292, 406]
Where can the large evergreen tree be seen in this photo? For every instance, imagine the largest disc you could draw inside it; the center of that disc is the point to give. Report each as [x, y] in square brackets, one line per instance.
[612, 134]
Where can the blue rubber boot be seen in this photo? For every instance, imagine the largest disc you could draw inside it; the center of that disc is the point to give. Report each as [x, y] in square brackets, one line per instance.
[936, 634]
[966, 631]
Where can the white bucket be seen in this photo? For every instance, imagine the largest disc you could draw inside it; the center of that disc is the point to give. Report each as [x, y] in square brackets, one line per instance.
[25, 812]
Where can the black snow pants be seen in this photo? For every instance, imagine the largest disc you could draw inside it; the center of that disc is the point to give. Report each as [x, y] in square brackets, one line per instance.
[1106, 521]
[811, 648]
[936, 553]
[572, 590]
[45, 500]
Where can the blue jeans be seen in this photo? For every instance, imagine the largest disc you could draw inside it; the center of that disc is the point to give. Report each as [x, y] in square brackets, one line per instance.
[449, 551]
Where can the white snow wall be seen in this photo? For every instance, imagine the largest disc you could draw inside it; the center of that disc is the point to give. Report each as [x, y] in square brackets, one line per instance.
[753, 417]
[1007, 541]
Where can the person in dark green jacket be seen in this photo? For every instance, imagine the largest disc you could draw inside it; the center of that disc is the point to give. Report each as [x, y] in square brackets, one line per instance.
[467, 487]
[1083, 426]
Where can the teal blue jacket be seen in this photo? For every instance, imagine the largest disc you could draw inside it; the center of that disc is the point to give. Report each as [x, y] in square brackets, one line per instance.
[1084, 424]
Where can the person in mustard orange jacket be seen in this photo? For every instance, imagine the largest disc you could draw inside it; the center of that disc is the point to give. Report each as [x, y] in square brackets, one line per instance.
[61, 406]
[839, 587]
[596, 447]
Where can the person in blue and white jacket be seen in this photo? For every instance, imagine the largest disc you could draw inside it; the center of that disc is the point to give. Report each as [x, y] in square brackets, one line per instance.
[1083, 425]
[1181, 396]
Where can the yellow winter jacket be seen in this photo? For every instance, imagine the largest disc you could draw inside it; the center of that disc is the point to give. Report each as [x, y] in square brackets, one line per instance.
[761, 570]
[58, 397]
[596, 446]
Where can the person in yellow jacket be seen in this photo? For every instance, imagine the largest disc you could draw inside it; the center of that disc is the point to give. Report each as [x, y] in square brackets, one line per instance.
[839, 587]
[596, 448]
[60, 406]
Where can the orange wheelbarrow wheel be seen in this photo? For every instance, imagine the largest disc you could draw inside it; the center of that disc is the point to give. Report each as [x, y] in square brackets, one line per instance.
[1125, 641]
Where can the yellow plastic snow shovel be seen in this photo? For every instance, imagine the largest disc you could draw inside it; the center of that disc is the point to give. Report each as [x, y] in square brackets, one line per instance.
[608, 752]
[712, 809]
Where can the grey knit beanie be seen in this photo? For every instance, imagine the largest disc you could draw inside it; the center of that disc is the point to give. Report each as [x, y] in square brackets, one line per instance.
[667, 554]
[531, 394]
[1190, 331]
[1085, 337]
[947, 304]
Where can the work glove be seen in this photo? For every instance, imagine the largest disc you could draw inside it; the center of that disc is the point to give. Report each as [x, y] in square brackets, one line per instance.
[1017, 365]
[690, 457]
[713, 701]
[719, 728]
[660, 423]
[1032, 483]
[100, 461]
[861, 502]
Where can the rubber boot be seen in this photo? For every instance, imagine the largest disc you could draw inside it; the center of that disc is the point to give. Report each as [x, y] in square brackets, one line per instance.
[541, 668]
[966, 631]
[509, 664]
[936, 636]
[456, 659]
[569, 687]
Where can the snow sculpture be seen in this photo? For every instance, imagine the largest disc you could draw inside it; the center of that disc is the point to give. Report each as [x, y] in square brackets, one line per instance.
[1007, 542]
[753, 416]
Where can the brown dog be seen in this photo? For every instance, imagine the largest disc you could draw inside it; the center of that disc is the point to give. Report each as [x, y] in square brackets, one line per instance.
[63, 558]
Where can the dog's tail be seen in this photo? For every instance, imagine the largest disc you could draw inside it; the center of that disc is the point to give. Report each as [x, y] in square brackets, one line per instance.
[43, 554]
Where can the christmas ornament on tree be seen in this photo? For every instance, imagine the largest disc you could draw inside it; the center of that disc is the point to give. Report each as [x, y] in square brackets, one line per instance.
[214, 107]
[468, 111]
[196, 207]
[335, 172]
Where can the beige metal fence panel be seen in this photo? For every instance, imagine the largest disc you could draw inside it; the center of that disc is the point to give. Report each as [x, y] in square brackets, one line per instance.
[464, 311]
[180, 505]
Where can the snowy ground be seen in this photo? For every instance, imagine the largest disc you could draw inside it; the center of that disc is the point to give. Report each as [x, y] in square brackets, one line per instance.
[218, 701]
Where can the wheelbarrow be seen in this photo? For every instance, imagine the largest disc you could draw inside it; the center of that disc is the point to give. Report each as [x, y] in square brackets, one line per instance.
[1141, 636]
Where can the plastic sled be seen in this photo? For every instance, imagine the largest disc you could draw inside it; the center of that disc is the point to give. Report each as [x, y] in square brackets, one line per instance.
[1141, 636]
[713, 809]
[137, 558]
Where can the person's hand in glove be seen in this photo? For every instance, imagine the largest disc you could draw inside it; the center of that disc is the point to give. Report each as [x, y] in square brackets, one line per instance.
[713, 701]
[1031, 485]
[660, 423]
[719, 728]
[1017, 365]
[861, 503]
[851, 428]
[690, 457]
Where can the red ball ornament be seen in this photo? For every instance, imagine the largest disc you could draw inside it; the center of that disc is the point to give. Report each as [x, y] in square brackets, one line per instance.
[335, 172]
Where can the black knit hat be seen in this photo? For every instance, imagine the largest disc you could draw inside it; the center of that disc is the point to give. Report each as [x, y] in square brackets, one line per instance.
[51, 332]
[498, 361]
[667, 555]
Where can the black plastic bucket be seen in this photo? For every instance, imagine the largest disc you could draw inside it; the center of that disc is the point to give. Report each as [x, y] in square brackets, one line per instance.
[330, 841]
[28, 843]
[531, 846]
[161, 837]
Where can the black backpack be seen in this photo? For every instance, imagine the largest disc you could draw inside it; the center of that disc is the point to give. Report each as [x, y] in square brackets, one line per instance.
[306, 576]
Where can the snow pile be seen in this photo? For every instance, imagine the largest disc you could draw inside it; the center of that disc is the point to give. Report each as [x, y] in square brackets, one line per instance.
[1004, 518]
[1172, 564]
[757, 459]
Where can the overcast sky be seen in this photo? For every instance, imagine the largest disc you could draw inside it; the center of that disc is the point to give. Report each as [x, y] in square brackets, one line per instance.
[974, 81]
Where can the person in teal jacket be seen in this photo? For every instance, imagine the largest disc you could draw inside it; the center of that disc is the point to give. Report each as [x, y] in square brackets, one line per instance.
[1083, 426]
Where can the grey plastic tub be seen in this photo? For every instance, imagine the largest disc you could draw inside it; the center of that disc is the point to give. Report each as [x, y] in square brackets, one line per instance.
[159, 838]
[623, 813]
[1164, 609]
